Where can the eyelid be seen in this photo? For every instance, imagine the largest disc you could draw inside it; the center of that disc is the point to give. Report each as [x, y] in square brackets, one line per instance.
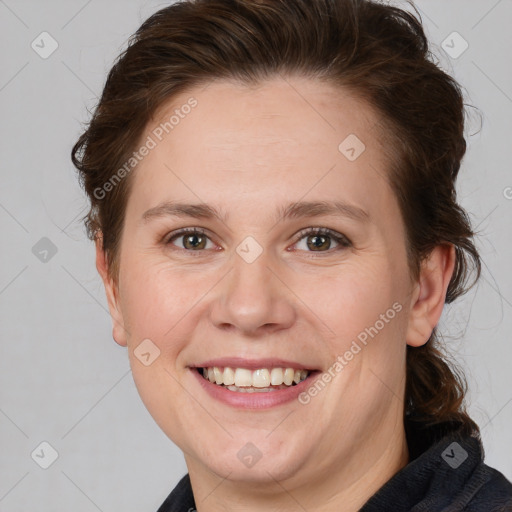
[166, 240]
[342, 241]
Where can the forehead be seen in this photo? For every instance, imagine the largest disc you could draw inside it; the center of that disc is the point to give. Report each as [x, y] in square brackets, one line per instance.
[283, 139]
[282, 111]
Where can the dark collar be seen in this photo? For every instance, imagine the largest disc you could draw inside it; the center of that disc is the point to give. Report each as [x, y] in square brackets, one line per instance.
[445, 469]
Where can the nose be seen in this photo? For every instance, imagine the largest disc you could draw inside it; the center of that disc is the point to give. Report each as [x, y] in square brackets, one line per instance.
[253, 299]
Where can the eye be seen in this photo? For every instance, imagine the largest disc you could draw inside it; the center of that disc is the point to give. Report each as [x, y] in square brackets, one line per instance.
[316, 240]
[320, 240]
[192, 239]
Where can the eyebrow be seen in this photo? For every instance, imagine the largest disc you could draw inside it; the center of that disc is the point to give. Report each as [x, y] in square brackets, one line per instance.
[294, 210]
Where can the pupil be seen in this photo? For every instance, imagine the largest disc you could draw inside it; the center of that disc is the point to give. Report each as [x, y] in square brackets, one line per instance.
[193, 240]
[319, 241]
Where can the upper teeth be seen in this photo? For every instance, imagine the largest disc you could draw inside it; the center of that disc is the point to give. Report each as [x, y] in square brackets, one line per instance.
[262, 378]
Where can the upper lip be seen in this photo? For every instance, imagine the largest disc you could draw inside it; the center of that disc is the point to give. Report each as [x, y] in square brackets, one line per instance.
[251, 364]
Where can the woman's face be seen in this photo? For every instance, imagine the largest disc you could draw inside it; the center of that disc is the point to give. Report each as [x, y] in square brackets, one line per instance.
[259, 288]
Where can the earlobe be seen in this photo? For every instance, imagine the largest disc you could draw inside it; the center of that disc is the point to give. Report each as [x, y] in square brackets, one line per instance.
[428, 297]
[118, 330]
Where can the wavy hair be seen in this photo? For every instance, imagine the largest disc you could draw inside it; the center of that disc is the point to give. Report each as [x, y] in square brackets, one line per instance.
[378, 52]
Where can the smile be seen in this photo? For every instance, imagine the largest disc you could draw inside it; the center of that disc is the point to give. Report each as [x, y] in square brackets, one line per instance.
[245, 383]
[262, 380]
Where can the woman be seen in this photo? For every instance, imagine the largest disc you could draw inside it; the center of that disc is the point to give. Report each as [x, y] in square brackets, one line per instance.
[272, 189]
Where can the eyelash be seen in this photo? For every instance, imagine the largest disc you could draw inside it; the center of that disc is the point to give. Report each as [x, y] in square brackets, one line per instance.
[342, 241]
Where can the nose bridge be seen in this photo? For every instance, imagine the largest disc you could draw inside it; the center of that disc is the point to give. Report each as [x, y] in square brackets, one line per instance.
[252, 297]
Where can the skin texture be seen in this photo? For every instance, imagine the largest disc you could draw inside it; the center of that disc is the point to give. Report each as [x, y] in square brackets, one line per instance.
[247, 152]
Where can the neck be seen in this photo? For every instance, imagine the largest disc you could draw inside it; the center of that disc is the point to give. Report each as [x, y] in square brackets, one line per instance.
[347, 488]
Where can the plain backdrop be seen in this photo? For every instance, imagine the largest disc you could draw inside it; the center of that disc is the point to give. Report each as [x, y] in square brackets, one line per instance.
[63, 380]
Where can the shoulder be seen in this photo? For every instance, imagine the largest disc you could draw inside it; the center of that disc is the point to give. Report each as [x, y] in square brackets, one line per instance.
[491, 491]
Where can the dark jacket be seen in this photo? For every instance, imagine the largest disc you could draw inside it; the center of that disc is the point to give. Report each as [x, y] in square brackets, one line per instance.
[446, 473]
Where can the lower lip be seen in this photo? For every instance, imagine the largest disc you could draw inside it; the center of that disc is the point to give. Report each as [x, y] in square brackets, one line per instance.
[262, 400]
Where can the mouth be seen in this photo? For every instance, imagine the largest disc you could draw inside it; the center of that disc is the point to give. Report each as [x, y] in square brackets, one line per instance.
[250, 384]
[261, 380]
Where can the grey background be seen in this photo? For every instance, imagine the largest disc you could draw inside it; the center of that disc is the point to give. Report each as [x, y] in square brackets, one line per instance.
[63, 379]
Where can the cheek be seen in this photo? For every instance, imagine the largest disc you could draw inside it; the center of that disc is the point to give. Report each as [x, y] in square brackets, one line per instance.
[155, 301]
[350, 299]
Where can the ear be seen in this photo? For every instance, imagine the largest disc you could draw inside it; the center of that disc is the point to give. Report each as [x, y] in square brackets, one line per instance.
[429, 294]
[118, 330]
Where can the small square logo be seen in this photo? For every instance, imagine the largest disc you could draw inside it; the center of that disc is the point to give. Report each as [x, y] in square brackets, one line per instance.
[454, 455]
[44, 250]
[249, 249]
[146, 352]
[44, 45]
[454, 45]
[352, 147]
[44, 455]
[249, 455]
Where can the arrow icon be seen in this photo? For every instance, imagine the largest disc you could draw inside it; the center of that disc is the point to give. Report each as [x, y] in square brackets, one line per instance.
[44, 455]
[454, 45]
[44, 45]
[351, 147]
[147, 352]
[249, 455]
[454, 455]
[249, 253]
[45, 249]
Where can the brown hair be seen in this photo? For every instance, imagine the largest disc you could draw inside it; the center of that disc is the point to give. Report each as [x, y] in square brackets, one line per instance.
[379, 52]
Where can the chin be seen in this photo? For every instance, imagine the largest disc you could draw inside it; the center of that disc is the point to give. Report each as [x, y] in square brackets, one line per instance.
[242, 461]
